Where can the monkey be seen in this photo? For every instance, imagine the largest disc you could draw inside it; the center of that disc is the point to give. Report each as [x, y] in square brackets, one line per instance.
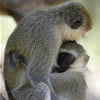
[33, 47]
[70, 54]
[67, 76]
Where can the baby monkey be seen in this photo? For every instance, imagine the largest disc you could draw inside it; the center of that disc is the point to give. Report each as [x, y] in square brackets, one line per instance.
[71, 55]
[67, 75]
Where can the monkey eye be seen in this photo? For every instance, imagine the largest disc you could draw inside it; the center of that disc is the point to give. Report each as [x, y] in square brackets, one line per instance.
[15, 58]
[76, 23]
[65, 59]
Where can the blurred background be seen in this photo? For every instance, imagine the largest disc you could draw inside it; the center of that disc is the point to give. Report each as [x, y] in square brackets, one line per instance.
[91, 43]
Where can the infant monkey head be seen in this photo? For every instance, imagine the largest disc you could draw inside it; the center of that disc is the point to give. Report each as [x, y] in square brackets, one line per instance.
[72, 56]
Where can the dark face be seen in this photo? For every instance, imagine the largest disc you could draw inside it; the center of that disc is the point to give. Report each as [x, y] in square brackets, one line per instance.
[76, 22]
[64, 61]
[74, 16]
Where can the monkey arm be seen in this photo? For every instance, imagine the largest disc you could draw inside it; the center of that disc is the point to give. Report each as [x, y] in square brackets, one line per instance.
[39, 92]
[39, 70]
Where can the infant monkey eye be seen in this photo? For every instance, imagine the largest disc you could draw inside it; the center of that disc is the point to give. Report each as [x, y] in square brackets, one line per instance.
[76, 23]
[65, 59]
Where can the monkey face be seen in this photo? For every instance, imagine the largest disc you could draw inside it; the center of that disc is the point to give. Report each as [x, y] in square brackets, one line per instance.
[64, 61]
[78, 16]
[72, 56]
[77, 21]
[68, 58]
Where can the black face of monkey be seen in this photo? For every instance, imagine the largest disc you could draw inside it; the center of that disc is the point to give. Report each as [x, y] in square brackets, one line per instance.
[75, 17]
[65, 58]
[64, 61]
[76, 22]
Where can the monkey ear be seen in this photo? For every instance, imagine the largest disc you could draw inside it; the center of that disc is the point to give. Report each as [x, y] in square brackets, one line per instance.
[15, 58]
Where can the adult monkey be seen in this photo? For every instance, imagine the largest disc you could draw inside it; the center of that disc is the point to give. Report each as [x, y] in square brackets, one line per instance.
[33, 47]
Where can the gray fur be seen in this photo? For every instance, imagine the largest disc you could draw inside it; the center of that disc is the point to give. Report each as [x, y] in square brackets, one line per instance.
[71, 84]
[36, 41]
